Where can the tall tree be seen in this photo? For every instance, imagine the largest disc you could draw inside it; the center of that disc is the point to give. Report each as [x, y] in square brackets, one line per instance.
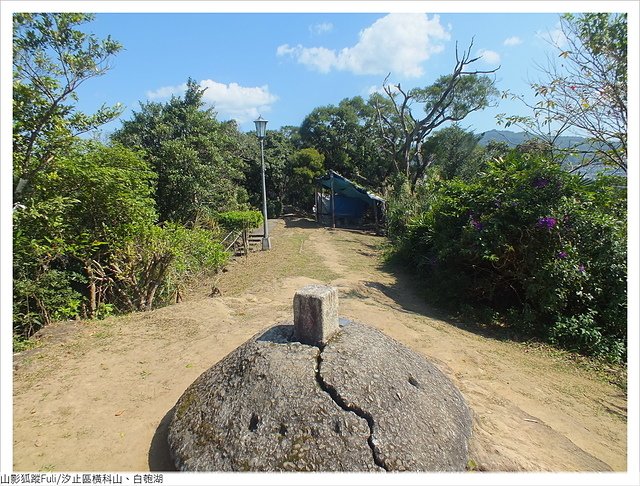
[588, 90]
[306, 166]
[196, 157]
[95, 197]
[332, 130]
[585, 89]
[52, 57]
[454, 152]
[345, 134]
[278, 153]
[450, 99]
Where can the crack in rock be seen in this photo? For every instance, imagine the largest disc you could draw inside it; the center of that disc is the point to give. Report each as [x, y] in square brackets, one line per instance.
[333, 393]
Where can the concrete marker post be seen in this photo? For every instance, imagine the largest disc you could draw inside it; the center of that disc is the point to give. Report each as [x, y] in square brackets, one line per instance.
[315, 314]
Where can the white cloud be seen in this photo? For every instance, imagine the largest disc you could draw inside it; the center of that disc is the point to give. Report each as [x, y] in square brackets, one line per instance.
[397, 43]
[319, 58]
[513, 41]
[284, 50]
[556, 37]
[231, 100]
[166, 91]
[489, 57]
[374, 89]
[322, 28]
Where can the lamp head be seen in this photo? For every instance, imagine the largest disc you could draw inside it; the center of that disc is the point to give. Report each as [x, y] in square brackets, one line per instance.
[261, 127]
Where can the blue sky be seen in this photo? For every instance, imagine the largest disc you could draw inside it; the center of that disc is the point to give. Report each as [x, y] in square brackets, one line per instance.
[283, 65]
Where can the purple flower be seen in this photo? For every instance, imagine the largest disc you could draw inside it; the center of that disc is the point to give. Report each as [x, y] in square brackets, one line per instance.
[540, 182]
[562, 255]
[581, 268]
[547, 222]
[477, 224]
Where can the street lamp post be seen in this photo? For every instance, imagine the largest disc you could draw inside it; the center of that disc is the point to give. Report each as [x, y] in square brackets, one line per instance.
[261, 131]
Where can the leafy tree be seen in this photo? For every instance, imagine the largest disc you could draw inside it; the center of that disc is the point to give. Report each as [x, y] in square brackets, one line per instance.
[85, 239]
[307, 165]
[96, 196]
[292, 134]
[278, 152]
[111, 188]
[89, 246]
[453, 152]
[585, 90]
[52, 57]
[345, 134]
[195, 156]
[331, 130]
[450, 99]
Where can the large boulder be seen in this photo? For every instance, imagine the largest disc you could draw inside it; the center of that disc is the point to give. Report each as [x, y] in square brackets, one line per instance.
[354, 400]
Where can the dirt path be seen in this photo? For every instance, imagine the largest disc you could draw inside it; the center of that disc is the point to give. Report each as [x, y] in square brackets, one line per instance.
[96, 396]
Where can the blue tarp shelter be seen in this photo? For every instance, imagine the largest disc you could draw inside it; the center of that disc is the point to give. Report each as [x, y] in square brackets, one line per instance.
[345, 203]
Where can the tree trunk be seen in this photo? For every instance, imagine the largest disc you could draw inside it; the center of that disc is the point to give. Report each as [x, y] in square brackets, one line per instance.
[92, 289]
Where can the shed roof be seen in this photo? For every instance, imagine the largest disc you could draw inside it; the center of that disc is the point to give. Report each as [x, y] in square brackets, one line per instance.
[347, 188]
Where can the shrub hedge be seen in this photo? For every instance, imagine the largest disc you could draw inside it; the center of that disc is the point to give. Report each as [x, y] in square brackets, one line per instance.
[542, 247]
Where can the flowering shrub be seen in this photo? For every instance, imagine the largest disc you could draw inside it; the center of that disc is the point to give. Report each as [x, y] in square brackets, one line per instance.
[547, 222]
[531, 241]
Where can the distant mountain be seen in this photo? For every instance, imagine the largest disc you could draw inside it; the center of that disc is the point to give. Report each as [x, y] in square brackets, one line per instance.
[516, 138]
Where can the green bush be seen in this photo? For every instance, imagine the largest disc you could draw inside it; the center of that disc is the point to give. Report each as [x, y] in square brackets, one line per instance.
[44, 288]
[47, 297]
[154, 266]
[240, 220]
[531, 241]
[77, 212]
[85, 242]
[197, 252]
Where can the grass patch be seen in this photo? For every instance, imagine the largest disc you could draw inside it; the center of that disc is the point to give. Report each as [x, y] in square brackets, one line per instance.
[102, 334]
[614, 374]
[23, 344]
[364, 255]
[290, 256]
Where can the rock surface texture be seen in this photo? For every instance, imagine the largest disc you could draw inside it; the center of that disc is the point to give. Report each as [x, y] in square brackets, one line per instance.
[359, 402]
